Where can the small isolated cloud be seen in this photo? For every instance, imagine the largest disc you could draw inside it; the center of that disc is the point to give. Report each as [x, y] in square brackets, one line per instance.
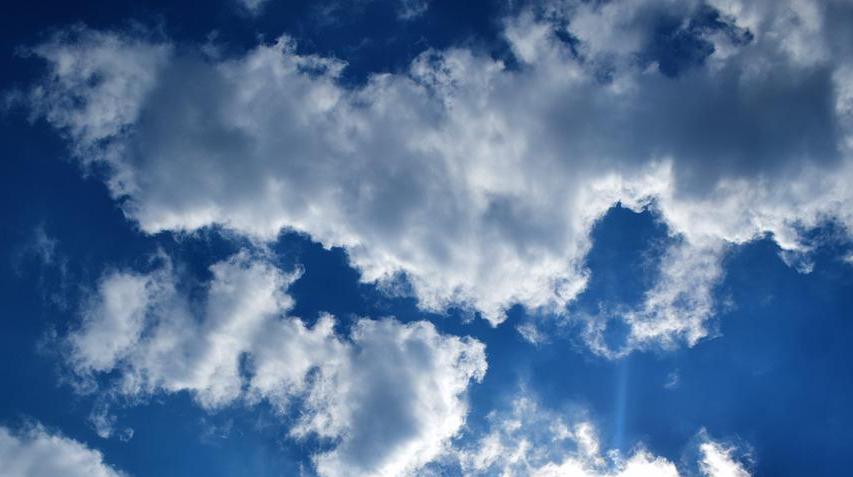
[104, 424]
[527, 440]
[673, 379]
[43, 250]
[389, 395]
[43, 245]
[40, 246]
[36, 452]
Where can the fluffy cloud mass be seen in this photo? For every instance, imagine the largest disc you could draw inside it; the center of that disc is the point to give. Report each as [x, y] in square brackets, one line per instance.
[530, 441]
[389, 395]
[36, 452]
[477, 180]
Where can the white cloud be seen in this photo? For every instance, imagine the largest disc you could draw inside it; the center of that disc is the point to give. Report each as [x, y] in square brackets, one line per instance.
[528, 440]
[481, 183]
[103, 422]
[674, 311]
[717, 460]
[389, 395]
[114, 321]
[43, 246]
[673, 379]
[97, 97]
[35, 452]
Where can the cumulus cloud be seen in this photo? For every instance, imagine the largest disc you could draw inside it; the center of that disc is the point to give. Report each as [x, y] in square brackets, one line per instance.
[527, 440]
[95, 98]
[389, 395]
[480, 182]
[36, 452]
[717, 460]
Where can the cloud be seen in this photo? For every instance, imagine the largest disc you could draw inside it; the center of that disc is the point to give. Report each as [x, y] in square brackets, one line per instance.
[43, 246]
[388, 396]
[95, 98]
[477, 181]
[673, 379]
[35, 452]
[104, 423]
[717, 461]
[527, 440]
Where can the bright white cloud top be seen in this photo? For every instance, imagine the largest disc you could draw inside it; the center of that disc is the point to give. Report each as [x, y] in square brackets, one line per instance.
[36, 452]
[527, 440]
[478, 181]
[389, 395]
[467, 178]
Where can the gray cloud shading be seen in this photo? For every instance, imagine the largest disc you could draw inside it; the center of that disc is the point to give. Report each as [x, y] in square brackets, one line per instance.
[478, 181]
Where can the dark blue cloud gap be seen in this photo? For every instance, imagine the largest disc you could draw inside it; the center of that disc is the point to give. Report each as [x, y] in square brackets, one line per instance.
[678, 44]
[368, 35]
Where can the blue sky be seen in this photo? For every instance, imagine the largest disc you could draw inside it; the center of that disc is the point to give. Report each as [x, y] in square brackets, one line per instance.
[417, 237]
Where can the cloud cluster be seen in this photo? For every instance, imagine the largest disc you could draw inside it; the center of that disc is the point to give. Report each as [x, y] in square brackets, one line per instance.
[35, 452]
[388, 397]
[480, 181]
[527, 440]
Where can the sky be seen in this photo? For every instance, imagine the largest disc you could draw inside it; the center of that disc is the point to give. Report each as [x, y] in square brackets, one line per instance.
[351, 238]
